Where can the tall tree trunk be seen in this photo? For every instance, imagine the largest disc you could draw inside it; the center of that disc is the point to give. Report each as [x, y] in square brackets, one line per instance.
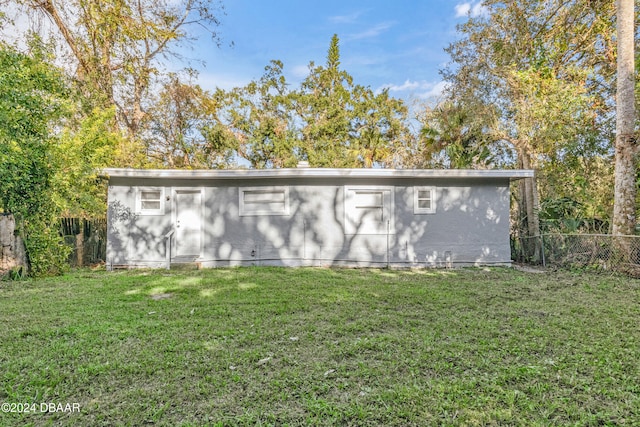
[530, 201]
[624, 209]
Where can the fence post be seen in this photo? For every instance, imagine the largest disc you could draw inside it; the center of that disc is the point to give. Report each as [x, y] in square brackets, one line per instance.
[80, 245]
[544, 262]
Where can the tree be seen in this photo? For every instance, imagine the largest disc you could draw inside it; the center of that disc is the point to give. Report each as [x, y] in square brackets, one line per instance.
[182, 126]
[325, 106]
[82, 149]
[379, 129]
[624, 213]
[49, 154]
[329, 121]
[117, 46]
[263, 121]
[452, 136]
[538, 74]
[33, 99]
[347, 125]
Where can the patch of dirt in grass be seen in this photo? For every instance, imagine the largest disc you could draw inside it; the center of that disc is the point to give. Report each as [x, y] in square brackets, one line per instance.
[158, 297]
[530, 268]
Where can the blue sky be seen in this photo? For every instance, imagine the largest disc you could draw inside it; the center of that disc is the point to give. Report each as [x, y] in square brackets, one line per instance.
[398, 44]
[394, 44]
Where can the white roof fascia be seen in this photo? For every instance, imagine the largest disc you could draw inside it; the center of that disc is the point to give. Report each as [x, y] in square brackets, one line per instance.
[315, 173]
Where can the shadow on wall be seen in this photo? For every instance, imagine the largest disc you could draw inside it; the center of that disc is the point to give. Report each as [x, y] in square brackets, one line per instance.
[119, 218]
[469, 227]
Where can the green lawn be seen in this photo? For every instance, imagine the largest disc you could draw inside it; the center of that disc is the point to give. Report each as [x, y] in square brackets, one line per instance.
[272, 346]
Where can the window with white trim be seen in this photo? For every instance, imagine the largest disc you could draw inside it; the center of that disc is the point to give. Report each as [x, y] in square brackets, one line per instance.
[368, 210]
[264, 201]
[424, 200]
[150, 201]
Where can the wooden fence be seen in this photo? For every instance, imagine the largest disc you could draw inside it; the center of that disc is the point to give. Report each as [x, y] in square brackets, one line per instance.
[87, 237]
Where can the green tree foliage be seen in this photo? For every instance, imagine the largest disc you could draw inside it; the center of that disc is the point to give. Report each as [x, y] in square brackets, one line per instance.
[263, 121]
[538, 75]
[452, 136]
[183, 127]
[325, 103]
[47, 169]
[380, 129]
[329, 121]
[82, 149]
[117, 48]
[348, 125]
[33, 100]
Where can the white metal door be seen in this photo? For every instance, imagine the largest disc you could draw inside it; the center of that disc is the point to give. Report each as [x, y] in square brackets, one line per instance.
[188, 222]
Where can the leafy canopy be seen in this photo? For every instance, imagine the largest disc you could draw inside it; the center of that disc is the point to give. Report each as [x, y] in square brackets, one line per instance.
[48, 156]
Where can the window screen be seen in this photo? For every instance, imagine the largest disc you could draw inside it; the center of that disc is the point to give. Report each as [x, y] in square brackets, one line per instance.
[264, 201]
[424, 201]
[150, 201]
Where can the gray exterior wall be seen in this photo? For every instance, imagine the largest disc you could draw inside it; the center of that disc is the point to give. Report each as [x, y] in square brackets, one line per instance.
[470, 225]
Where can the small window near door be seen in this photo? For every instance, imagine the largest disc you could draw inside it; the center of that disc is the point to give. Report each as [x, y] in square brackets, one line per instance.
[150, 201]
[264, 201]
[424, 200]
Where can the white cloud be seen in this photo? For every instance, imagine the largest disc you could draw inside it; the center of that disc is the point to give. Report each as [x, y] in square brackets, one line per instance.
[371, 32]
[472, 9]
[479, 9]
[435, 91]
[407, 85]
[420, 89]
[462, 9]
[345, 19]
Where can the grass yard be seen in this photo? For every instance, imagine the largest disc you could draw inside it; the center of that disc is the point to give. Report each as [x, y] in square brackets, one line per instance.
[273, 346]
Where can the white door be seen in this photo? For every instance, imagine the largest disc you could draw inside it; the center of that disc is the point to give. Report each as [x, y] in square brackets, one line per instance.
[188, 222]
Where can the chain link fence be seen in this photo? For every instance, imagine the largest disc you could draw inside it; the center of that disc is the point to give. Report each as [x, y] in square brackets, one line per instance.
[597, 251]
